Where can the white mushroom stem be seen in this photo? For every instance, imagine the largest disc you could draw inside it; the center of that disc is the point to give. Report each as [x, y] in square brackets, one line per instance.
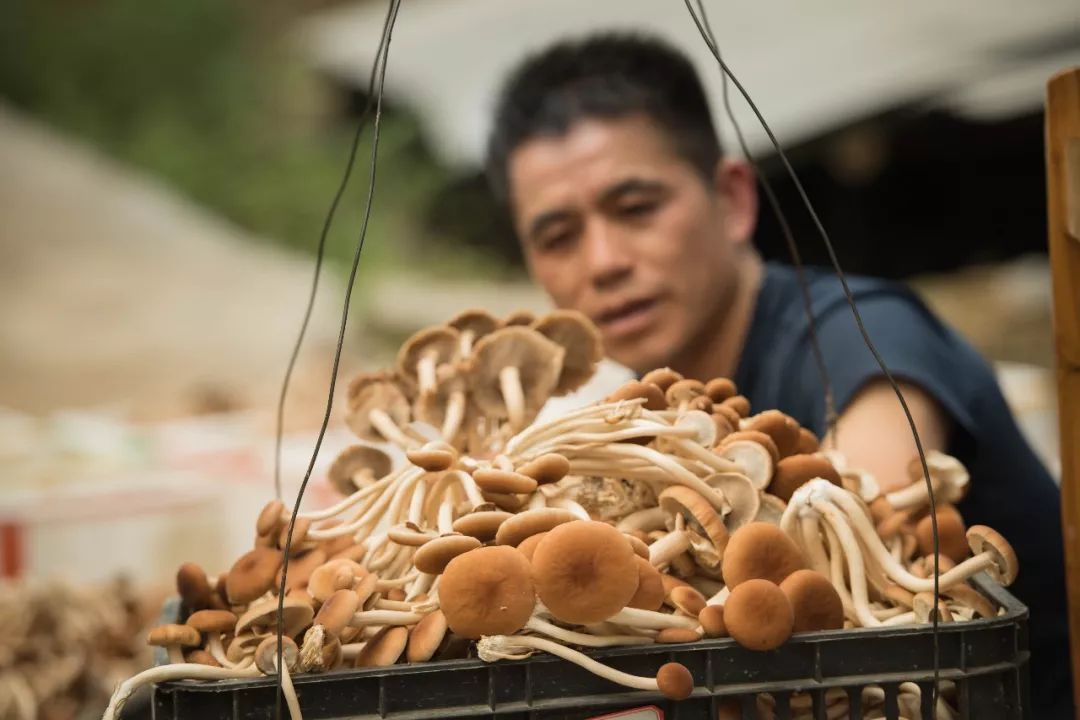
[425, 372]
[385, 584]
[513, 396]
[589, 468]
[423, 584]
[576, 638]
[176, 655]
[720, 597]
[836, 572]
[812, 545]
[416, 504]
[399, 605]
[646, 519]
[374, 511]
[537, 432]
[631, 431]
[370, 493]
[650, 620]
[677, 472]
[838, 522]
[914, 495]
[905, 618]
[537, 501]
[445, 519]
[287, 689]
[498, 647]
[455, 414]
[386, 427]
[664, 550]
[217, 651]
[165, 673]
[567, 504]
[365, 618]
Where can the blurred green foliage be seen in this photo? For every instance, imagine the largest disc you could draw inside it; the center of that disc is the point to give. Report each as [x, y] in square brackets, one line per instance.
[210, 96]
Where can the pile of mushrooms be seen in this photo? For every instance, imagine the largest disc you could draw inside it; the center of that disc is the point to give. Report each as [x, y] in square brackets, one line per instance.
[63, 648]
[665, 513]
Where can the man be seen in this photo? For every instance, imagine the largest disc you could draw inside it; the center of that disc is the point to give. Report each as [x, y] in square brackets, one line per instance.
[604, 153]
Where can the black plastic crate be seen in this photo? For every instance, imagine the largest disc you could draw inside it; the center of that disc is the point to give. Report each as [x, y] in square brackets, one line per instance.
[987, 659]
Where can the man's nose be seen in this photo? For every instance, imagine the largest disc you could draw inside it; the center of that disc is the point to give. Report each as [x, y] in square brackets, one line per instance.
[607, 257]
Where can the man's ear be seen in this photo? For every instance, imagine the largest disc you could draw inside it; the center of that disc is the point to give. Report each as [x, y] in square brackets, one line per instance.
[736, 187]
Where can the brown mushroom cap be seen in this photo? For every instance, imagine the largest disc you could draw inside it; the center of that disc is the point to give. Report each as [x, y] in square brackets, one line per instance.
[333, 575]
[475, 321]
[969, 596]
[201, 657]
[439, 341]
[337, 611]
[730, 417]
[531, 522]
[698, 512]
[985, 539]
[739, 404]
[519, 317]
[375, 391]
[494, 480]
[762, 439]
[720, 389]
[635, 389]
[758, 615]
[301, 568]
[756, 459]
[547, 468]
[650, 590]
[683, 391]
[952, 535]
[585, 571]
[487, 591]
[639, 546]
[354, 460]
[482, 525]
[212, 621]
[193, 586]
[538, 360]
[300, 542]
[296, 615]
[808, 442]
[760, 550]
[711, 618]
[433, 556]
[687, 599]
[677, 635]
[432, 458]
[425, 637]
[795, 471]
[662, 377]
[814, 600]
[528, 546]
[174, 635]
[270, 518]
[266, 654]
[923, 606]
[780, 427]
[674, 681]
[252, 575]
[740, 494]
[577, 335]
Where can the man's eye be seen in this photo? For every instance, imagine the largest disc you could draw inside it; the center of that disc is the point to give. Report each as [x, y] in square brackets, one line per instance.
[638, 209]
[554, 241]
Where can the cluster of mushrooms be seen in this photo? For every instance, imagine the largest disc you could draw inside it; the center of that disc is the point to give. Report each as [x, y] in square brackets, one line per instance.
[63, 648]
[665, 513]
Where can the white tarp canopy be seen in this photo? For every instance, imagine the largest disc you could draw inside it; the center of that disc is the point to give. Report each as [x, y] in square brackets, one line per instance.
[811, 66]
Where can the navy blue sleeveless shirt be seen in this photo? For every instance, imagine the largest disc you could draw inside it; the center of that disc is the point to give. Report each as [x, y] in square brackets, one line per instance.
[1010, 489]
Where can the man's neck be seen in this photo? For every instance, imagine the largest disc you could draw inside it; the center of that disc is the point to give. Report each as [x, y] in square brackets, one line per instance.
[715, 352]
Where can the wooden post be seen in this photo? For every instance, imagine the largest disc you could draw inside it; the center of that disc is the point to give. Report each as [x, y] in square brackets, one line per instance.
[1063, 213]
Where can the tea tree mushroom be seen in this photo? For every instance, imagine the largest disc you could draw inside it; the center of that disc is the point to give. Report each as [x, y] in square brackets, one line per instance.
[488, 590]
[580, 340]
[357, 461]
[174, 638]
[512, 372]
[378, 409]
[814, 601]
[758, 615]
[472, 324]
[424, 352]
[760, 550]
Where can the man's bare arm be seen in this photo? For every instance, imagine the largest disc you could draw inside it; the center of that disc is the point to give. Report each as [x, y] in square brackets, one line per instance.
[874, 434]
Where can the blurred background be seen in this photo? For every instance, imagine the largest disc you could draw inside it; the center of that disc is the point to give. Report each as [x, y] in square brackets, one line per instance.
[165, 170]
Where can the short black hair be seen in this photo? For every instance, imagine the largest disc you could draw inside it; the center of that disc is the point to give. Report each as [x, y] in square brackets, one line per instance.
[610, 75]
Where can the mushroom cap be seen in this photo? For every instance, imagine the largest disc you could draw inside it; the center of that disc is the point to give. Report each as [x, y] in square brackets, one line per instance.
[538, 360]
[924, 567]
[898, 595]
[425, 637]
[755, 458]
[808, 442]
[650, 590]
[353, 460]
[375, 391]
[431, 406]
[952, 534]
[972, 598]
[585, 571]
[639, 546]
[758, 615]
[494, 480]
[299, 536]
[739, 404]
[687, 599]
[510, 502]
[760, 550]
[733, 418]
[266, 654]
[270, 518]
[482, 525]
[531, 522]
[796, 470]
[698, 512]
[547, 468]
[528, 546]
[252, 575]
[519, 317]
[580, 338]
[333, 575]
[337, 611]
[487, 591]
[296, 615]
[771, 510]
[724, 425]
[201, 657]
[637, 389]
[662, 377]
[677, 635]
[193, 586]
[212, 621]
[433, 457]
[763, 439]
[945, 468]
[720, 389]
[674, 681]
[780, 427]
[702, 424]
[986, 539]
[923, 607]
[814, 600]
[439, 340]
[475, 320]
[682, 391]
[741, 495]
[174, 635]
[301, 568]
[671, 582]
[435, 555]
[711, 618]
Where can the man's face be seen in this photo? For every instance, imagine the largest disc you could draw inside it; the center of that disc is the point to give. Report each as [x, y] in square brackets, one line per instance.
[615, 224]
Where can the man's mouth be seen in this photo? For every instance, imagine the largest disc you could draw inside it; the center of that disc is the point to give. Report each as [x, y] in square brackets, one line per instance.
[628, 318]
